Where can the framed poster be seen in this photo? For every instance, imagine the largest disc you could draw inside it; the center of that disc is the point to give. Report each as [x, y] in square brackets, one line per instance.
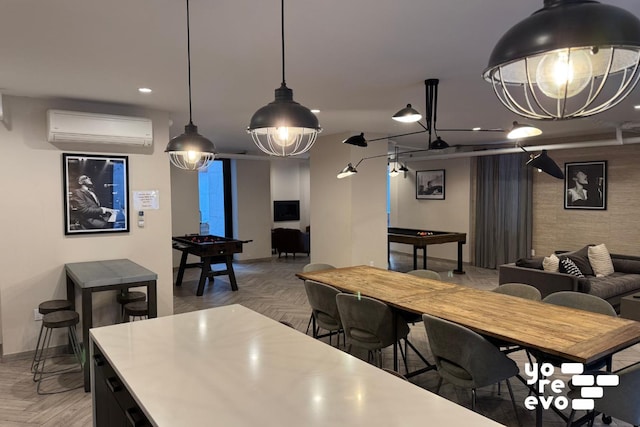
[430, 184]
[96, 193]
[585, 185]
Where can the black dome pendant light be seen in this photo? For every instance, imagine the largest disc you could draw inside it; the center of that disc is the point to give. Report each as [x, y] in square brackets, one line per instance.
[190, 151]
[570, 59]
[284, 127]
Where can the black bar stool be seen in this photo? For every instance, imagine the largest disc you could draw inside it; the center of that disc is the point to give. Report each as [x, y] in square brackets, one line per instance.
[56, 320]
[135, 309]
[46, 308]
[126, 297]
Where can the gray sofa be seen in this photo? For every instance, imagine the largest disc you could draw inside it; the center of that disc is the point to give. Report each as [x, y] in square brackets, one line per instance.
[624, 281]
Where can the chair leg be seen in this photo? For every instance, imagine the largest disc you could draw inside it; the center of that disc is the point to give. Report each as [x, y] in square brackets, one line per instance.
[570, 419]
[513, 402]
[309, 324]
[473, 399]
[35, 360]
[439, 385]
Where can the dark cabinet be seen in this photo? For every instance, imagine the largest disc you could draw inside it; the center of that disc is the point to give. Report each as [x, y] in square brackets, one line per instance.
[114, 405]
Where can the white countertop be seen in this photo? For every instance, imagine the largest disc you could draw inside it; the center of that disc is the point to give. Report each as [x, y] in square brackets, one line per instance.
[230, 366]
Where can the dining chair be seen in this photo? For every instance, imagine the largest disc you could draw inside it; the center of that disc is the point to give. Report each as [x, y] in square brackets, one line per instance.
[369, 324]
[308, 268]
[324, 311]
[467, 359]
[427, 274]
[580, 301]
[521, 290]
[621, 402]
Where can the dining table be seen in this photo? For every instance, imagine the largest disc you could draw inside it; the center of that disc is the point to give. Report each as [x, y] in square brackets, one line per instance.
[571, 334]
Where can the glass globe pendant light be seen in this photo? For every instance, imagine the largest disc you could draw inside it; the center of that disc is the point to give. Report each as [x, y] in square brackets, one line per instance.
[284, 127]
[190, 151]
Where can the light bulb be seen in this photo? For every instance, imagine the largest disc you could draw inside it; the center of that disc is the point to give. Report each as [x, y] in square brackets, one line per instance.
[286, 136]
[564, 72]
[394, 173]
[193, 156]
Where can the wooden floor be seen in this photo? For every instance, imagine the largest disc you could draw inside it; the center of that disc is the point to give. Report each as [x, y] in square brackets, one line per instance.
[271, 288]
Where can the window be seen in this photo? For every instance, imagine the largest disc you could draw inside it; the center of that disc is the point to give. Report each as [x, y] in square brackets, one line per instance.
[214, 187]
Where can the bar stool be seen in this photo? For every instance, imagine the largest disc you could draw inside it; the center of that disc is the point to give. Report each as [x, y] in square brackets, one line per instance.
[56, 320]
[125, 297]
[47, 307]
[135, 309]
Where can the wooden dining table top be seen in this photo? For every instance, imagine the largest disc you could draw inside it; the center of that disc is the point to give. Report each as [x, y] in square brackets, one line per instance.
[576, 335]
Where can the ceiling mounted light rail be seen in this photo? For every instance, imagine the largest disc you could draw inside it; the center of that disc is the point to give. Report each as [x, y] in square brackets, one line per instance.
[570, 59]
[284, 127]
[190, 151]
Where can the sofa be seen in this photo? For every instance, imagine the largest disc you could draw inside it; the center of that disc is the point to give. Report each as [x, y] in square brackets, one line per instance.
[290, 241]
[623, 281]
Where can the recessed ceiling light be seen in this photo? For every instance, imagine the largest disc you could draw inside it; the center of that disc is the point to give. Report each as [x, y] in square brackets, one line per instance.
[637, 107]
[315, 111]
[144, 90]
[476, 128]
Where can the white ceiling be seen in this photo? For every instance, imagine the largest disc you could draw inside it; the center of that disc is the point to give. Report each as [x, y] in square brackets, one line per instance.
[358, 61]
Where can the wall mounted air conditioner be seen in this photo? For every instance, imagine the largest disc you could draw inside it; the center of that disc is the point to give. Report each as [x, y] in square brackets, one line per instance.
[74, 126]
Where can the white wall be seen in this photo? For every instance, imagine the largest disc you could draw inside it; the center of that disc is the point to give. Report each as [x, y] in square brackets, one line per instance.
[290, 181]
[348, 216]
[35, 248]
[450, 214]
[252, 207]
[185, 213]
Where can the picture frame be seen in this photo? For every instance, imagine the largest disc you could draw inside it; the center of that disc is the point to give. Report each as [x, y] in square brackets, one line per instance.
[430, 184]
[95, 194]
[585, 185]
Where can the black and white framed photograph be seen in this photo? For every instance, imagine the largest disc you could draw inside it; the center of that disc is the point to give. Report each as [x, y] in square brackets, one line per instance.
[585, 185]
[96, 193]
[430, 184]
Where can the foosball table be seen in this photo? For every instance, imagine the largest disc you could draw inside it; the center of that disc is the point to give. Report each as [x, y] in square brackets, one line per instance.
[211, 250]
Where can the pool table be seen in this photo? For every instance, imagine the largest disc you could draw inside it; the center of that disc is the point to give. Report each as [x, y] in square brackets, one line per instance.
[419, 239]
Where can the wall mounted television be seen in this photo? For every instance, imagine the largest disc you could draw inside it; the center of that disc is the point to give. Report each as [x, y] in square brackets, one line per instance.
[286, 210]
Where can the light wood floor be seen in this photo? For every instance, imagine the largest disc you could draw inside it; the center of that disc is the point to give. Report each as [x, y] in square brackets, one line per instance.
[271, 288]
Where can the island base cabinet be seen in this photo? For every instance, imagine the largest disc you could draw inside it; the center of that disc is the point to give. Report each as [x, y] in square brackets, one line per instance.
[114, 405]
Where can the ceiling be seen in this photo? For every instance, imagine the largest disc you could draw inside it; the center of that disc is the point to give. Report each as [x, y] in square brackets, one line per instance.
[357, 61]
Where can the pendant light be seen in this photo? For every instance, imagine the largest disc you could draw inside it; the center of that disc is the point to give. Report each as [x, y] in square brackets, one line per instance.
[190, 151]
[570, 59]
[284, 127]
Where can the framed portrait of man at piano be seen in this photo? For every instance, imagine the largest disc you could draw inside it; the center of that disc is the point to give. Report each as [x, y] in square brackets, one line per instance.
[96, 193]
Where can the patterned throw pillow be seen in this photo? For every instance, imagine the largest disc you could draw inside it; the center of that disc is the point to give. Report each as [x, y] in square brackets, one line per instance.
[570, 267]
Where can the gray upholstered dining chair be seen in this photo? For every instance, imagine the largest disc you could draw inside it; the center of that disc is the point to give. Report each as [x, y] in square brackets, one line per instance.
[427, 274]
[520, 290]
[580, 301]
[308, 268]
[324, 311]
[621, 402]
[466, 359]
[368, 324]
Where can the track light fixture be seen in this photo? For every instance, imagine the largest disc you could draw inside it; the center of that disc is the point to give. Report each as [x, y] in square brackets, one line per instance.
[190, 151]
[572, 58]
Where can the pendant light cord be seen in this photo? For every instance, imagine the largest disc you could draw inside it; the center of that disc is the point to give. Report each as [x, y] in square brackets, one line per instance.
[282, 33]
[189, 62]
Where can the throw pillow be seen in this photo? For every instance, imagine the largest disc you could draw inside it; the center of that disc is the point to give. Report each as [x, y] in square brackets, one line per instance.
[551, 263]
[600, 260]
[568, 266]
[581, 259]
[530, 263]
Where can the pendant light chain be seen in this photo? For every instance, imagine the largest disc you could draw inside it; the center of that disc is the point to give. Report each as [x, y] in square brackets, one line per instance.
[189, 61]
